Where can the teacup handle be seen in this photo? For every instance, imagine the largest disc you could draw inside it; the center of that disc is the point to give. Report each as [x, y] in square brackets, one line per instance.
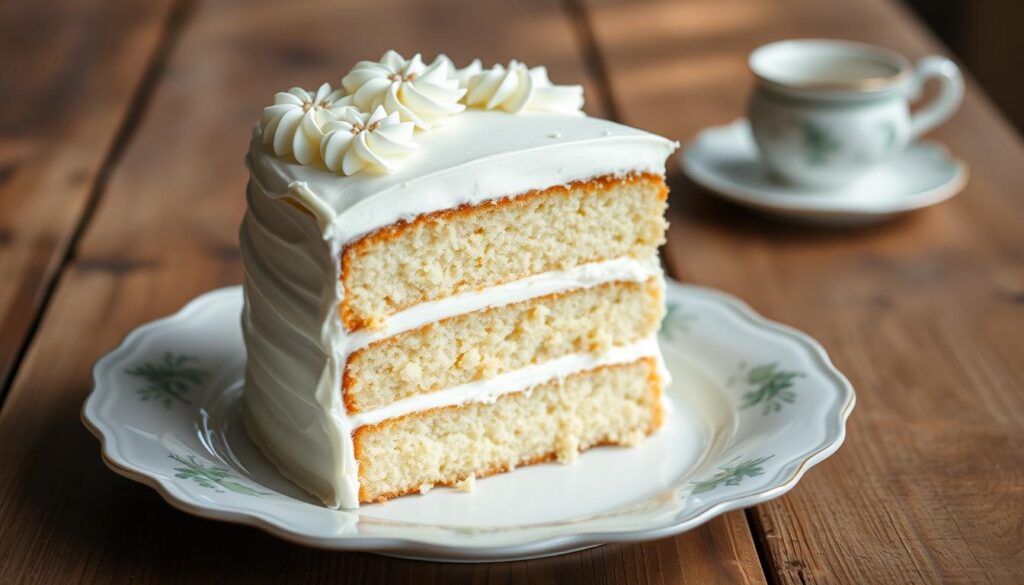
[946, 103]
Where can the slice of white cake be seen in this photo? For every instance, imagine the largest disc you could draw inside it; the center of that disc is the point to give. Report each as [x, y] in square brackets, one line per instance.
[467, 291]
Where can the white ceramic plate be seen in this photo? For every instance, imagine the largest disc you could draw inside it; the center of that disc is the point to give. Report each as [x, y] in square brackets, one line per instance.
[754, 405]
[724, 160]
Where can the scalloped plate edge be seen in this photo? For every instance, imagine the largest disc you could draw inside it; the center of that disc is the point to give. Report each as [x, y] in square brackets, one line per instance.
[413, 548]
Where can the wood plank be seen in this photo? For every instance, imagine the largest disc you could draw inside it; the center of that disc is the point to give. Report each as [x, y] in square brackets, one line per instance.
[165, 231]
[924, 314]
[70, 72]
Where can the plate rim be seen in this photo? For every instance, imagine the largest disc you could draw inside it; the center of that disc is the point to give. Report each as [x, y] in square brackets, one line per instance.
[411, 547]
[796, 204]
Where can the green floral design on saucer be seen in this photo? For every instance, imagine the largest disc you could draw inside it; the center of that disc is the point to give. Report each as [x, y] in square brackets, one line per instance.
[770, 387]
[676, 321]
[209, 476]
[731, 475]
[169, 380]
[820, 145]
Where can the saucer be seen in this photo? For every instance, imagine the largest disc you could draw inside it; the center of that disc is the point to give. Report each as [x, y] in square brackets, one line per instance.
[724, 160]
[753, 406]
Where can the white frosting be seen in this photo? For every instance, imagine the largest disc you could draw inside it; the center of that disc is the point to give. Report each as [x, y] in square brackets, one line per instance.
[518, 88]
[296, 344]
[421, 94]
[478, 155]
[294, 124]
[462, 75]
[356, 142]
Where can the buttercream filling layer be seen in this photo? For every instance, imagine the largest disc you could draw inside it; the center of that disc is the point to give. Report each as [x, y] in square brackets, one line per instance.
[584, 276]
[489, 390]
[289, 344]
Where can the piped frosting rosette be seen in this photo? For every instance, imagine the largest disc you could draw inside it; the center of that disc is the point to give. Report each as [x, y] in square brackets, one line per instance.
[517, 88]
[421, 94]
[357, 141]
[370, 123]
[294, 124]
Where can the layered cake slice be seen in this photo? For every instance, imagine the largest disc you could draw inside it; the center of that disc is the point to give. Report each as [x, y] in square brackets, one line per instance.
[449, 273]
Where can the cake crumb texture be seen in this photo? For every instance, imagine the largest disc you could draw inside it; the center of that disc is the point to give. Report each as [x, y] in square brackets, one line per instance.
[474, 247]
[466, 485]
[611, 405]
[480, 345]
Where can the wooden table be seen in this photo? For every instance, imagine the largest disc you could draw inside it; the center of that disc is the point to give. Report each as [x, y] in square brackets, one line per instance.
[122, 132]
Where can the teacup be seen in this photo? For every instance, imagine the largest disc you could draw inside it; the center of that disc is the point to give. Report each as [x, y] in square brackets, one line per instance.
[826, 112]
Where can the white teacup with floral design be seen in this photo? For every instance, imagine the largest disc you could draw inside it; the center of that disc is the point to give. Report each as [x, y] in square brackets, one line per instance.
[825, 112]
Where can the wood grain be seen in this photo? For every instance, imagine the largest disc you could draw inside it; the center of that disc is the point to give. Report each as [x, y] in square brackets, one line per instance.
[165, 230]
[70, 72]
[925, 314]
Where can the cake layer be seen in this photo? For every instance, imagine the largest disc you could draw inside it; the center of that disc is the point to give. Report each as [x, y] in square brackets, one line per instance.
[538, 285]
[611, 405]
[482, 344]
[470, 248]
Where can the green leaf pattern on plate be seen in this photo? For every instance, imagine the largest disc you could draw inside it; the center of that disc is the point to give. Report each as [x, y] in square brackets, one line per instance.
[731, 474]
[168, 380]
[210, 476]
[676, 321]
[770, 386]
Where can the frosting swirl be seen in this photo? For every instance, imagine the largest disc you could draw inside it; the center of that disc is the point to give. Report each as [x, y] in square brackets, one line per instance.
[371, 121]
[358, 141]
[518, 88]
[294, 124]
[419, 93]
[462, 75]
